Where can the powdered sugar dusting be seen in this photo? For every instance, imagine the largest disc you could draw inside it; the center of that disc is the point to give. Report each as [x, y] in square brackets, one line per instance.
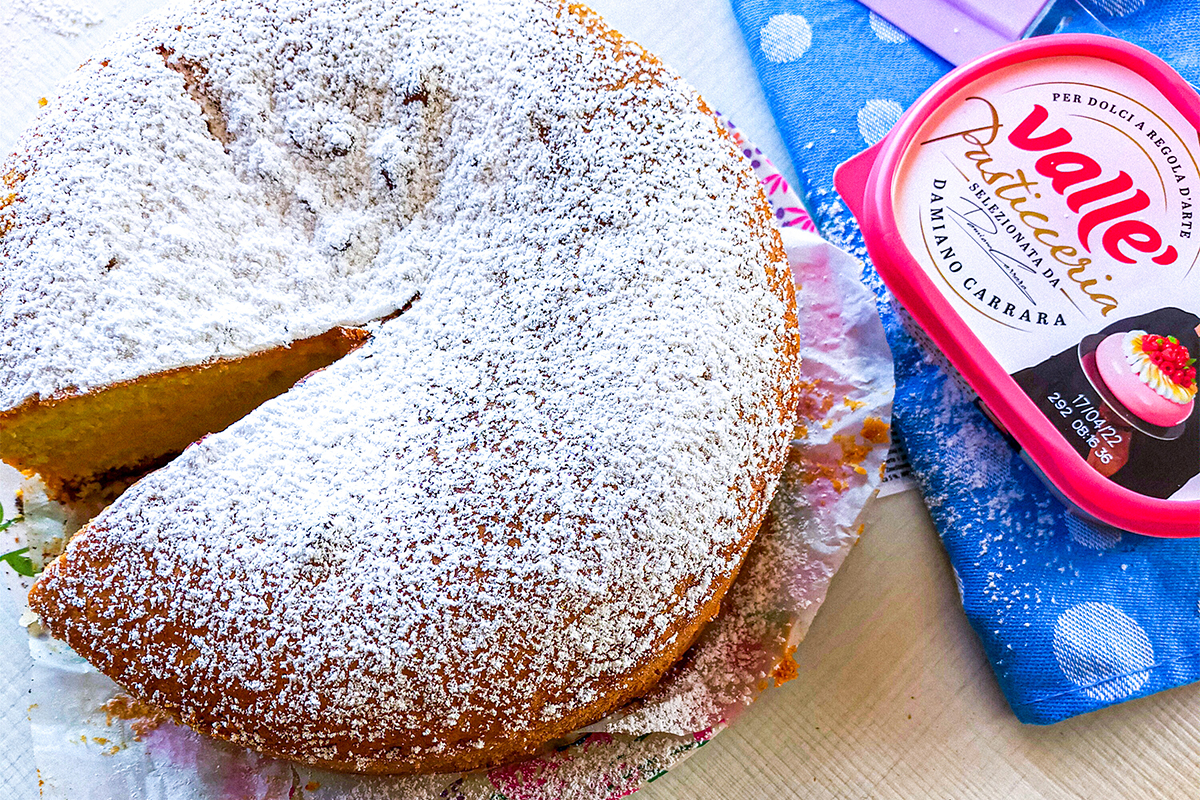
[390, 563]
[65, 18]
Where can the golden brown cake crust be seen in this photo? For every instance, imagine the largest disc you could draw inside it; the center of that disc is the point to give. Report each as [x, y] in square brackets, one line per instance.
[514, 508]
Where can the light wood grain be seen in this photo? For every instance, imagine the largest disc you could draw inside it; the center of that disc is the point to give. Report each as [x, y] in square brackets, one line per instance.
[896, 701]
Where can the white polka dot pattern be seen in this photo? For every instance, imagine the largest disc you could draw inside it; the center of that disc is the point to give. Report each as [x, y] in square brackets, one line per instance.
[1101, 650]
[785, 37]
[886, 31]
[876, 118]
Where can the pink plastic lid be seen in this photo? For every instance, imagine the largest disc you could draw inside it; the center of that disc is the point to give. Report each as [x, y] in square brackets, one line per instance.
[1036, 213]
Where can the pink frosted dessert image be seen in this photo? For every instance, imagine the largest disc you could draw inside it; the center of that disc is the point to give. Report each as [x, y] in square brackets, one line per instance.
[1152, 376]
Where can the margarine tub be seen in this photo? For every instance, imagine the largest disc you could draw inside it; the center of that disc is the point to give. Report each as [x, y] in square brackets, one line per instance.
[1036, 212]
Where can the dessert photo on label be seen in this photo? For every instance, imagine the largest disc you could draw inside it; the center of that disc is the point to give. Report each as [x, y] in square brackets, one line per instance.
[1125, 400]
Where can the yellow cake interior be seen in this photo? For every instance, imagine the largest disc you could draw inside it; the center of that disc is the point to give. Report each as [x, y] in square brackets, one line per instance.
[80, 442]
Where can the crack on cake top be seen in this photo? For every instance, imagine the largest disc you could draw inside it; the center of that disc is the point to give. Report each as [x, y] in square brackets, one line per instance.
[195, 83]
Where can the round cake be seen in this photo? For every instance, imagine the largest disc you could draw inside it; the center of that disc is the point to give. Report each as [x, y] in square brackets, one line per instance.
[550, 350]
[1150, 375]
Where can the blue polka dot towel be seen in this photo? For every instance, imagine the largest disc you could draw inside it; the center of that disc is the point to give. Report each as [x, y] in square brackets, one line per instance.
[1072, 618]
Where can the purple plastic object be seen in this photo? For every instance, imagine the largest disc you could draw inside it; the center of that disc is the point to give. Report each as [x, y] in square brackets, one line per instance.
[961, 30]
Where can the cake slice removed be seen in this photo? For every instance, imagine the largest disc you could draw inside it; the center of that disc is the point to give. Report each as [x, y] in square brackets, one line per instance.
[78, 443]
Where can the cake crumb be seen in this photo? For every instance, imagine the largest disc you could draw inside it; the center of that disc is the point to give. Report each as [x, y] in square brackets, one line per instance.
[787, 669]
[142, 717]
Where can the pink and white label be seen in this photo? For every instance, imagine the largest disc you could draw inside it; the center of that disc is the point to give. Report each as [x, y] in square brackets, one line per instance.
[1053, 204]
[1051, 199]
